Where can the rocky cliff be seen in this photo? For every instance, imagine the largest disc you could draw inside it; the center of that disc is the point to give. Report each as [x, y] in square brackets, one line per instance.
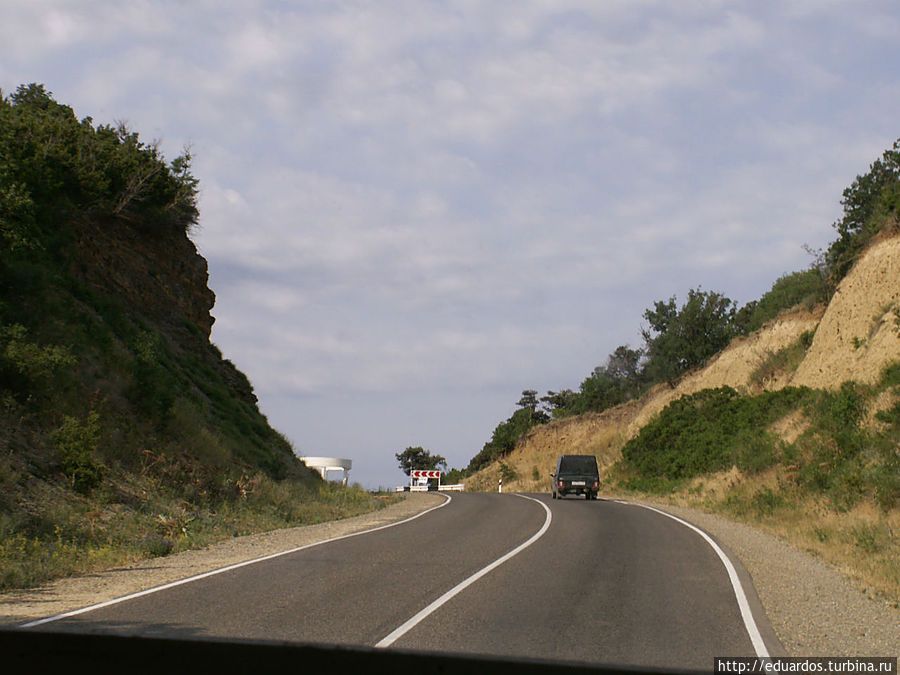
[160, 273]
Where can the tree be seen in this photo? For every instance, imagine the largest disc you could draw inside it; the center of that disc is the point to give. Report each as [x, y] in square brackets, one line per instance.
[680, 339]
[507, 434]
[419, 458]
[55, 168]
[560, 404]
[529, 402]
[625, 364]
[870, 201]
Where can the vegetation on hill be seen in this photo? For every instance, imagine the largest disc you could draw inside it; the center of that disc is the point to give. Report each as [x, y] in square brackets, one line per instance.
[716, 429]
[124, 433]
[870, 203]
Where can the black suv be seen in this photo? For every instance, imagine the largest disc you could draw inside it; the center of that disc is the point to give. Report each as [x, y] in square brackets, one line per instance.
[576, 475]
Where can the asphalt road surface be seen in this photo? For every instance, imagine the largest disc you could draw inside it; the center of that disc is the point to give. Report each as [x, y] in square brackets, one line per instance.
[497, 574]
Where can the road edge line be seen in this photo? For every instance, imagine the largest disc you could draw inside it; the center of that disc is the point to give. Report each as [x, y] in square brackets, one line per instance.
[228, 568]
[756, 639]
[422, 614]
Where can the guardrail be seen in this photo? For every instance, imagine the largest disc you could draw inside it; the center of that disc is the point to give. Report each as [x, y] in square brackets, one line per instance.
[459, 487]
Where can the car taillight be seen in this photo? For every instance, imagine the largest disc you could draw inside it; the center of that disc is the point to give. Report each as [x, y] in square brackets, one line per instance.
[562, 483]
[596, 483]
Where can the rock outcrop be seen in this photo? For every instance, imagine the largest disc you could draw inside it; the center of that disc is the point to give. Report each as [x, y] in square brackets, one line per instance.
[161, 274]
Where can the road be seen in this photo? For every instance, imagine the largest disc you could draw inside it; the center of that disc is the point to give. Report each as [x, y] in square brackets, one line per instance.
[593, 581]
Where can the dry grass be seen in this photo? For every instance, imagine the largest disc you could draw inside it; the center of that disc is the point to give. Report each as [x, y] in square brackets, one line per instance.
[97, 532]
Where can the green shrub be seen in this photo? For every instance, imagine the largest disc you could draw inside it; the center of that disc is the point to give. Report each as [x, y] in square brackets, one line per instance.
[755, 451]
[507, 473]
[26, 367]
[766, 502]
[890, 376]
[709, 431]
[654, 484]
[884, 477]
[76, 444]
[866, 537]
[839, 414]
[798, 288]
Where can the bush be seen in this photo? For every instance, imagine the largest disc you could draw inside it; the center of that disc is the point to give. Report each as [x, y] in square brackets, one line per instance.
[885, 479]
[839, 414]
[890, 376]
[76, 444]
[709, 431]
[805, 288]
[766, 502]
[26, 366]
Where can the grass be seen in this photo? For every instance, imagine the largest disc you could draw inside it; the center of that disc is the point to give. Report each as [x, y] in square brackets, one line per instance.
[783, 361]
[138, 518]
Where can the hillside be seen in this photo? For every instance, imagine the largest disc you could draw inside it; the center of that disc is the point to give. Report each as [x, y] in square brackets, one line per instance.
[855, 337]
[829, 478]
[124, 432]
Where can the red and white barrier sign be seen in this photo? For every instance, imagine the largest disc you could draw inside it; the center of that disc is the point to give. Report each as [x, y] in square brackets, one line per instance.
[424, 473]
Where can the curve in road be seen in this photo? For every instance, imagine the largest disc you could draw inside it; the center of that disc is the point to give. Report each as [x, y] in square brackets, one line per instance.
[481, 574]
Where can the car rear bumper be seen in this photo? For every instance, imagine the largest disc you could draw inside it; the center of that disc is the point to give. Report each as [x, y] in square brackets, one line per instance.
[577, 491]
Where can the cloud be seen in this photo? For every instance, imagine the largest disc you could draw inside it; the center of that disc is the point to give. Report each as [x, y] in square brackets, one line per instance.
[474, 197]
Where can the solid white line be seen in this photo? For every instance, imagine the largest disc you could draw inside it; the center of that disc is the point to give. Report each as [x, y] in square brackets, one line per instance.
[197, 577]
[412, 622]
[746, 614]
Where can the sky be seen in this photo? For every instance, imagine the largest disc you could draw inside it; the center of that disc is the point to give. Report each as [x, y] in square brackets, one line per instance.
[414, 210]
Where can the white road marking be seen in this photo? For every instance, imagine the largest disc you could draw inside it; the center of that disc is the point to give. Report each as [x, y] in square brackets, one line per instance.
[197, 577]
[746, 614]
[415, 620]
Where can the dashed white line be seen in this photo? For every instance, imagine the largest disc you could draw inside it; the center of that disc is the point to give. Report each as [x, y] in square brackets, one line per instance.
[401, 630]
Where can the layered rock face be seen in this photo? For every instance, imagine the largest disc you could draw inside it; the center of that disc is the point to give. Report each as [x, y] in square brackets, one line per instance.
[161, 275]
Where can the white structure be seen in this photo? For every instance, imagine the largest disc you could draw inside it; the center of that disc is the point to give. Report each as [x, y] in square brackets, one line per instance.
[325, 464]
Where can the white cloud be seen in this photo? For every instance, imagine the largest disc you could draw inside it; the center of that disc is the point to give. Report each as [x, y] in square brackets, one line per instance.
[467, 196]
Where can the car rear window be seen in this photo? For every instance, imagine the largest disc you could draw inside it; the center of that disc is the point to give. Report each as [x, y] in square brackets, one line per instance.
[579, 464]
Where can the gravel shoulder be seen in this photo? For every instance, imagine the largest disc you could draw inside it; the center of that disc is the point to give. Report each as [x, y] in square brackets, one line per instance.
[814, 610]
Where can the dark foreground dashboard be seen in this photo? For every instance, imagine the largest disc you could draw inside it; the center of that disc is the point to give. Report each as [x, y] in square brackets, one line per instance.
[32, 651]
